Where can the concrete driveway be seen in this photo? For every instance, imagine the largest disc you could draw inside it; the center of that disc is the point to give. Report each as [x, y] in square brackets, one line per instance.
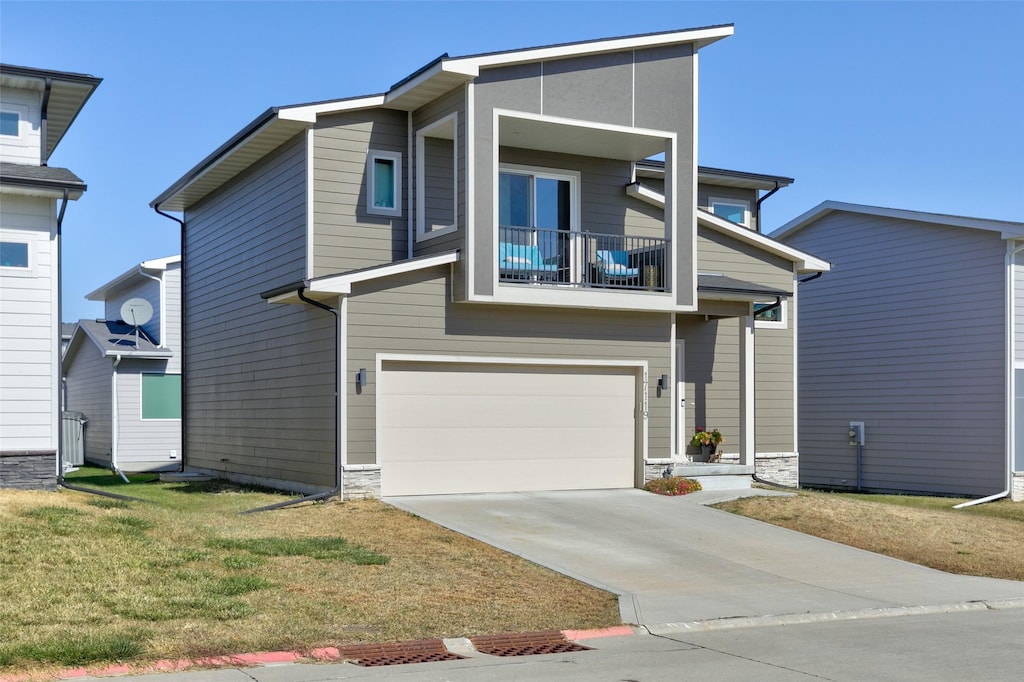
[678, 565]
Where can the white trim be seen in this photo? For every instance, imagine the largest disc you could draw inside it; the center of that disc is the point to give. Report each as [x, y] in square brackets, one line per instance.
[679, 401]
[100, 293]
[31, 256]
[1013, 249]
[581, 123]
[361, 467]
[307, 113]
[421, 192]
[738, 203]
[310, 202]
[646, 194]
[591, 297]
[396, 171]
[342, 370]
[470, 180]
[695, 146]
[342, 284]
[410, 179]
[748, 445]
[1008, 229]
[796, 365]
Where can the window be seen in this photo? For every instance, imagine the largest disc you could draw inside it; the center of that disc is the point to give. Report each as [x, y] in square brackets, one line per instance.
[733, 210]
[161, 396]
[13, 255]
[9, 123]
[437, 178]
[770, 317]
[384, 183]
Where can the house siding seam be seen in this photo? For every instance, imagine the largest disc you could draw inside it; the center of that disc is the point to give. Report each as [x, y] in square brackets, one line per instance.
[260, 381]
[907, 335]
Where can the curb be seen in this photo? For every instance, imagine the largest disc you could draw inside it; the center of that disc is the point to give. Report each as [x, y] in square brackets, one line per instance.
[833, 616]
[260, 658]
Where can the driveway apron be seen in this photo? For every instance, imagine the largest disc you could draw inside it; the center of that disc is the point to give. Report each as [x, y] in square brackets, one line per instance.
[676, 564]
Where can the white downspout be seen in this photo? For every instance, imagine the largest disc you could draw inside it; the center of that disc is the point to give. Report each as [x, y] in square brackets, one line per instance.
[113, 420]
[1011, 254]
[160, 281]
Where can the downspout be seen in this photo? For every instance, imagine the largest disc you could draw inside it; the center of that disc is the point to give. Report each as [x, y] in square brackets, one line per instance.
[181, 332]
[44, 158]
[757, 206]
[113, 420]
[160, 283]
[1009, 261]
[61, 397]
[337, 442]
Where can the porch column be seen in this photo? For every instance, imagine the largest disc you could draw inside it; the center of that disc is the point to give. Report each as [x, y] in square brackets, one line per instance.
[746, 330]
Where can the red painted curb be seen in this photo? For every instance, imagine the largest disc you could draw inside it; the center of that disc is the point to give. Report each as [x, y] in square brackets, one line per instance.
[617, 631]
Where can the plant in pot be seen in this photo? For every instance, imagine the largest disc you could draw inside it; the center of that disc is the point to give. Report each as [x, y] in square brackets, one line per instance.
[708, 442]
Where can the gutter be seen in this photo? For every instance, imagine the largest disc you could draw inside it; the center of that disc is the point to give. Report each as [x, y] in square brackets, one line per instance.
[1011, 426]
[336, 490]
[181, 329]
[757, 205]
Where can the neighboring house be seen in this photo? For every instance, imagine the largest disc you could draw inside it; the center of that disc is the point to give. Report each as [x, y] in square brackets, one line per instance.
[126, 380]
[483, 280]
[918, 335]
[37, 107]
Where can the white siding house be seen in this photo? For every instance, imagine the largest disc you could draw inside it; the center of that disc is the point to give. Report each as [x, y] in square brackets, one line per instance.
[916, 333]
[36, 109]
[127, 384]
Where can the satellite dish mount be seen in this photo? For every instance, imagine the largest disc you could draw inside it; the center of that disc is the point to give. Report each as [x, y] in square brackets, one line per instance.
[136, 312]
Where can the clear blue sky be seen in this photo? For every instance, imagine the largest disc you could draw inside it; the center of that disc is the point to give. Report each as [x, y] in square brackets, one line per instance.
[912, 105]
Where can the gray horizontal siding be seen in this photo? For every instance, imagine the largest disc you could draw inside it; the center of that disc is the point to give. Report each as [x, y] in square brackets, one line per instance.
[906, 333]
[88, 392]
[414, 316]
[259, 383]
[345, 236]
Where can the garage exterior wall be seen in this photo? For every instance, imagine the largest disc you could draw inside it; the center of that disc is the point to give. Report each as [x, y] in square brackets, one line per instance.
[412, 314]
[88, 391]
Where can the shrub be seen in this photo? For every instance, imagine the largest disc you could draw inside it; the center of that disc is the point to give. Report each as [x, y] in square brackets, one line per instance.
[675, 485]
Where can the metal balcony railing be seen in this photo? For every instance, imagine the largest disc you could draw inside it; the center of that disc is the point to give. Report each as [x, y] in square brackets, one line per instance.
[582, 259]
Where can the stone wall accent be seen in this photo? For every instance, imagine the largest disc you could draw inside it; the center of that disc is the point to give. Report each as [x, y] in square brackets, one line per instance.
[1017, 488]
[781, 468]
[361, 484]
[28, 470]
[653, 471]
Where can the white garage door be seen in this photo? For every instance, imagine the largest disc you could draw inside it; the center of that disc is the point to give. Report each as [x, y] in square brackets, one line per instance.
[464, 428]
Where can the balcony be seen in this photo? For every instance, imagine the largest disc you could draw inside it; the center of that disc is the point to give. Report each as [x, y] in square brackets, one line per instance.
[581, 259]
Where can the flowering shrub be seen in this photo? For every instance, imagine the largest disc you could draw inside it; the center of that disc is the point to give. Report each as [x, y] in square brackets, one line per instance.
[702, 437]
[674, 485]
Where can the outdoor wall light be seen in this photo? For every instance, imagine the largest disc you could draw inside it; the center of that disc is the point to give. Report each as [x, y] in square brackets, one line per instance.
[361, 377]
[663, 382]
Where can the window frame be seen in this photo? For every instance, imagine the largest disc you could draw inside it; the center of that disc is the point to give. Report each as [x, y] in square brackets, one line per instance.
[573, 177]
[781, 323]
[737, 203]
[421, 191]
[371, 180]
[142, 396]
[9, 111]
[27, 267]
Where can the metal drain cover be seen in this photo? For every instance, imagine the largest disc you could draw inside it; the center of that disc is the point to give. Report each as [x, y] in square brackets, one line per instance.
[525, 644]
[398, 653]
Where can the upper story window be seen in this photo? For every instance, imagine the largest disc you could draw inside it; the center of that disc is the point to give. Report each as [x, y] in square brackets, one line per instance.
[384, 183]
[9, 123]
[733, 210]
[437, 178]
[13, 254]
[770, 316]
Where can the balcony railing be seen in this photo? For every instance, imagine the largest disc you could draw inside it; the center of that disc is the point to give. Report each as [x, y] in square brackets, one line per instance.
[533, 255]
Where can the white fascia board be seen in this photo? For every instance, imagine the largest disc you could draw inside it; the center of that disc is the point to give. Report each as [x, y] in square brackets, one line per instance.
[701, 37]
[443, 66]
[805, 261]
[156, 264]
[160, 263]
[342, 284]
[308, 113]
[1008, 229]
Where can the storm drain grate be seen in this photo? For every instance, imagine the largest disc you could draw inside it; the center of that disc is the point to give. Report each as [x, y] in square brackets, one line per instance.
[397, 653]
[525, 644]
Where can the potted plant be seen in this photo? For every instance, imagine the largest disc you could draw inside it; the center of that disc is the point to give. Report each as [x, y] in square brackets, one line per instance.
[708, 442]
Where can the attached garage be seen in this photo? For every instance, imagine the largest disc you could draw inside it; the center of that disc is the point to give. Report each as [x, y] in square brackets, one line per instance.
[467, 427]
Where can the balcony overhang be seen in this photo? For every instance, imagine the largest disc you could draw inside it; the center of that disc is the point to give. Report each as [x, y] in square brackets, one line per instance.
[582, 138]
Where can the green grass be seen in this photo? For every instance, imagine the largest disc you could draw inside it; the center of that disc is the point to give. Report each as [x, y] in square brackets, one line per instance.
[72, 651]
[321, 548]
[1001, 509]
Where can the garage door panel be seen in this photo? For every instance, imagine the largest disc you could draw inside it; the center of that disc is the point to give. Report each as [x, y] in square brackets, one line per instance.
[463, 427]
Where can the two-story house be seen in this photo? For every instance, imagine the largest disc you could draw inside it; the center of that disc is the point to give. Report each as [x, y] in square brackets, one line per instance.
[123, 372]
[497, 275]
[37, 107]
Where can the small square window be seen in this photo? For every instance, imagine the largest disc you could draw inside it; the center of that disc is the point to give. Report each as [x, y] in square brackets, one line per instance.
[770, 315]
[161, 396]
[9, 123]
[13, 255]
[384, 184]
[734, 211]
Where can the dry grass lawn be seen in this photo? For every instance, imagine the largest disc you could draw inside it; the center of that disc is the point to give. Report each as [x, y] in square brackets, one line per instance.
[86, 579]
[986, 540]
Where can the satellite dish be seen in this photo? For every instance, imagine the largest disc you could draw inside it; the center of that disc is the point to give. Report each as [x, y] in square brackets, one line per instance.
[136, 311]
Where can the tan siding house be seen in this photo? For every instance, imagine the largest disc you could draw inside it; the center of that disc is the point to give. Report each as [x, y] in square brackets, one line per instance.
[505, 289]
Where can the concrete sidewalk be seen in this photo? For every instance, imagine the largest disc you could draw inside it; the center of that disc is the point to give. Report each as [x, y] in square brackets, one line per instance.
[680, 566]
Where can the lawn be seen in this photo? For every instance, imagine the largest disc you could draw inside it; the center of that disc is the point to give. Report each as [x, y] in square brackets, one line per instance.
[983, 540]
[87, 579]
